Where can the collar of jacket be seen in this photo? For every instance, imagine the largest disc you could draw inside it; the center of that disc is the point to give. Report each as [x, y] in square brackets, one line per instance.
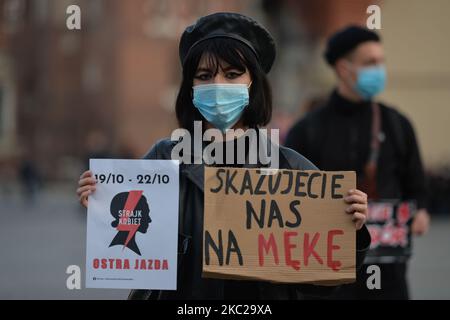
[195, 172]
[346, 107]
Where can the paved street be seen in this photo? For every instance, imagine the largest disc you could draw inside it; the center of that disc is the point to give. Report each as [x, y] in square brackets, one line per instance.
[38, 242]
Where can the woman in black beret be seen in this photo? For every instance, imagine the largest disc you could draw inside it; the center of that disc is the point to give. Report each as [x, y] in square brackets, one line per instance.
[225, 59]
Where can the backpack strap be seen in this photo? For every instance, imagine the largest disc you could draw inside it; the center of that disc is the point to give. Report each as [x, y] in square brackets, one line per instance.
[393, 120]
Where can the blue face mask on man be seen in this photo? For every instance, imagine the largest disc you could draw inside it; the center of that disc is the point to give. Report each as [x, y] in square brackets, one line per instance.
[221, 104]
[370, 81]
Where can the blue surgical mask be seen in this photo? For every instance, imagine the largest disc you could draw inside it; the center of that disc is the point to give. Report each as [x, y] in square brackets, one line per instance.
[370, 81]
[221, 104]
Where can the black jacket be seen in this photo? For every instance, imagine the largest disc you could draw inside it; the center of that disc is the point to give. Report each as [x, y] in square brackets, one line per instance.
[190, 283]
[337, 136]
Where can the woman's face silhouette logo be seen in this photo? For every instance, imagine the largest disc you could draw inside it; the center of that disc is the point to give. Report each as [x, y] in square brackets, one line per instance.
[131, 213]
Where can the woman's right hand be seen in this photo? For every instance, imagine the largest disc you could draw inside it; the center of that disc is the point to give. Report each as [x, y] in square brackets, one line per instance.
[86, 186]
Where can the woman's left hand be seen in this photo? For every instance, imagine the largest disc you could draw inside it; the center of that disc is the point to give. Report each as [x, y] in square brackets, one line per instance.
[357, 201]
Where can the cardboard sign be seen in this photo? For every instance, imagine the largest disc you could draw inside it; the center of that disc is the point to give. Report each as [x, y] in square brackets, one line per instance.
[389, 223]
[288, 227]
[132, 225]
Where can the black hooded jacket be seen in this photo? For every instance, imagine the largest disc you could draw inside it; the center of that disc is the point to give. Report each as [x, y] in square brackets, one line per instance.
[190, 284]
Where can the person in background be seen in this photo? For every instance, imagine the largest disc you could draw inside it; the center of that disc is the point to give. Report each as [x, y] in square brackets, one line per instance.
[352, 131]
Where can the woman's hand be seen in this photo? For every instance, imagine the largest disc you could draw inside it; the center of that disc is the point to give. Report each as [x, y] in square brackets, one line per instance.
[357, 201]
[86, 186]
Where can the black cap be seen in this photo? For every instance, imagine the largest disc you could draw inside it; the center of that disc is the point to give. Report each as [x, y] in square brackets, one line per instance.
[345, 40]
[230, 25]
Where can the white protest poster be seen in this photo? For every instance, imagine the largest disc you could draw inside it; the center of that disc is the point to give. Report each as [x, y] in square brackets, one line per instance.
[132, 225]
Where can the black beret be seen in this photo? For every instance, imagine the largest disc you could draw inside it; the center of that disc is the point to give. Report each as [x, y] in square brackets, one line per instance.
[230, 25]
[345, 40]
